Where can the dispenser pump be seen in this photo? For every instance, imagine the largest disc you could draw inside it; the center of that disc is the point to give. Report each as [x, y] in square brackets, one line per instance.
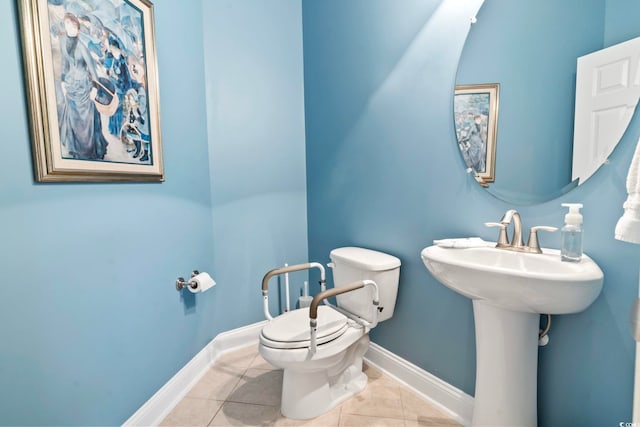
[571, 234]
[573, 217]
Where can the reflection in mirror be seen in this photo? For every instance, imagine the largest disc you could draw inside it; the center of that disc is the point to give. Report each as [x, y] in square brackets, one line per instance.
[607, 92]
[475, 111]
[530, 49]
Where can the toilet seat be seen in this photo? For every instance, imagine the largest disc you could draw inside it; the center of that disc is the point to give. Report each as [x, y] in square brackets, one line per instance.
[291, 330]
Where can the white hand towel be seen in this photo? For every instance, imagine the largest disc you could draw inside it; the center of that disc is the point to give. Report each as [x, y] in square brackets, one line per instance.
[466, 242]
[628, 227]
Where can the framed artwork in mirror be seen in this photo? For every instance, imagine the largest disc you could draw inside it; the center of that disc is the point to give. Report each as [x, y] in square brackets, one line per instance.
[476, 124]
[92, 90]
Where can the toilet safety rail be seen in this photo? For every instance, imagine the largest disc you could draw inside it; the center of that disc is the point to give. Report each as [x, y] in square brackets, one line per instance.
[288, 269]
[322, 296]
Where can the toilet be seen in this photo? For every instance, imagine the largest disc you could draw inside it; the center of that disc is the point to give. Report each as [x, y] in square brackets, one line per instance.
[323, 367]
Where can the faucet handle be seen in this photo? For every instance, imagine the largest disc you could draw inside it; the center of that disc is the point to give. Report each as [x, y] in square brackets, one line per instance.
[532, 244]
[503, 240]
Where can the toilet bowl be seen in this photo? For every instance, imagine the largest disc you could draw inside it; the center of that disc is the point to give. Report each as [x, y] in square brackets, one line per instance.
[320, 348]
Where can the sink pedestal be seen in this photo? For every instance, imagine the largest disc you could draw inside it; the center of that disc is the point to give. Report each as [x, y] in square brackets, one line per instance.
[510, 290]
[506, 366]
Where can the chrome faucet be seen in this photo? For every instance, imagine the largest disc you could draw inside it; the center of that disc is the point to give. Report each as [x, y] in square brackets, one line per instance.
[516, 241]
[512, 214]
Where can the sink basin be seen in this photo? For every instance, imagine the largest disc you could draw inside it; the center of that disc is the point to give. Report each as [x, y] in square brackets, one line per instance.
[509, 291]
[531, 283]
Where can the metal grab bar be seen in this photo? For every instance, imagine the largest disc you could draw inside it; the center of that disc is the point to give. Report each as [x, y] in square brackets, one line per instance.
[313, 309]
[282, 270]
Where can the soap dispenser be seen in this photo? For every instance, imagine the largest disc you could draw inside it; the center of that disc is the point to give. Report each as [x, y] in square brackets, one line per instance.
[571, 234]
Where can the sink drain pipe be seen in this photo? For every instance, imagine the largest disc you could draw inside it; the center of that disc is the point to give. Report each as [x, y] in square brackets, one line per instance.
[543, 336]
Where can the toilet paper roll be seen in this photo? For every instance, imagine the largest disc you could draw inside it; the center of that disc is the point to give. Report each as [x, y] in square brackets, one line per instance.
[201, 283]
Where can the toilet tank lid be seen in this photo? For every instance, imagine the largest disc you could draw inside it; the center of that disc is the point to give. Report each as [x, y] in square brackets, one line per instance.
[365, 258]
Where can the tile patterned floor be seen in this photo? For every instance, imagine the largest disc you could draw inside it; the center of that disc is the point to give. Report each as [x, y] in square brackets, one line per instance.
[242, 389]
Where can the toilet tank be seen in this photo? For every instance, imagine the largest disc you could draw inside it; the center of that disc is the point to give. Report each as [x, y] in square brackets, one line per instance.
[351, 264]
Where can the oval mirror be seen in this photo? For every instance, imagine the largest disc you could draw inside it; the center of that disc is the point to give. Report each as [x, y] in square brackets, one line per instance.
[516, 93]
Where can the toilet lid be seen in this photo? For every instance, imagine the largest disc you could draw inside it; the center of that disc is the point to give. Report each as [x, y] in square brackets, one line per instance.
[291, 329]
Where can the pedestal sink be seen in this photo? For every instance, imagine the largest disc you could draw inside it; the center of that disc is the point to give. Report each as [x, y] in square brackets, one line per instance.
[509, 291]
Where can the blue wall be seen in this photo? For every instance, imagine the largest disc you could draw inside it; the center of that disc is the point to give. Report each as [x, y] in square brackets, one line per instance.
[620, 21]
[383, 171]
[92, 323]
[255, 115]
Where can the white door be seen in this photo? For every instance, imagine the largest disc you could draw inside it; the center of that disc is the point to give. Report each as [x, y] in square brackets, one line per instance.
[607, 91]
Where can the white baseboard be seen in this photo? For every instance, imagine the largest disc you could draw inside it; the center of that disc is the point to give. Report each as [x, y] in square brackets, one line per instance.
[455, 401]
[444, 395]
[165, 399]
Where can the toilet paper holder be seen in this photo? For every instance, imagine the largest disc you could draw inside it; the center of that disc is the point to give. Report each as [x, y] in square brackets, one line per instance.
[181, 283]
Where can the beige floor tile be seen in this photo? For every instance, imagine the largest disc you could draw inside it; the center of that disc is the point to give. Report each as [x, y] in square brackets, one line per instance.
[244, 414]
[381, 398]
[420, 411]
[217, 383]
[381, 386]
[251, 390]
[432, 422]
[242, 357]
[260, 363]
[369, 404]
[258, 386]
[371, 371]
[350, 420]
[192, 412]
[330, 419]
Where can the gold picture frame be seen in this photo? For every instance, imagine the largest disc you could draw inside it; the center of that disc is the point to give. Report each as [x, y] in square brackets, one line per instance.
[476, 124]
[92, 90]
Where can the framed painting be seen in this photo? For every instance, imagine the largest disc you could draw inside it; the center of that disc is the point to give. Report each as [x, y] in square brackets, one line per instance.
[92, 90]
[476, 123]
